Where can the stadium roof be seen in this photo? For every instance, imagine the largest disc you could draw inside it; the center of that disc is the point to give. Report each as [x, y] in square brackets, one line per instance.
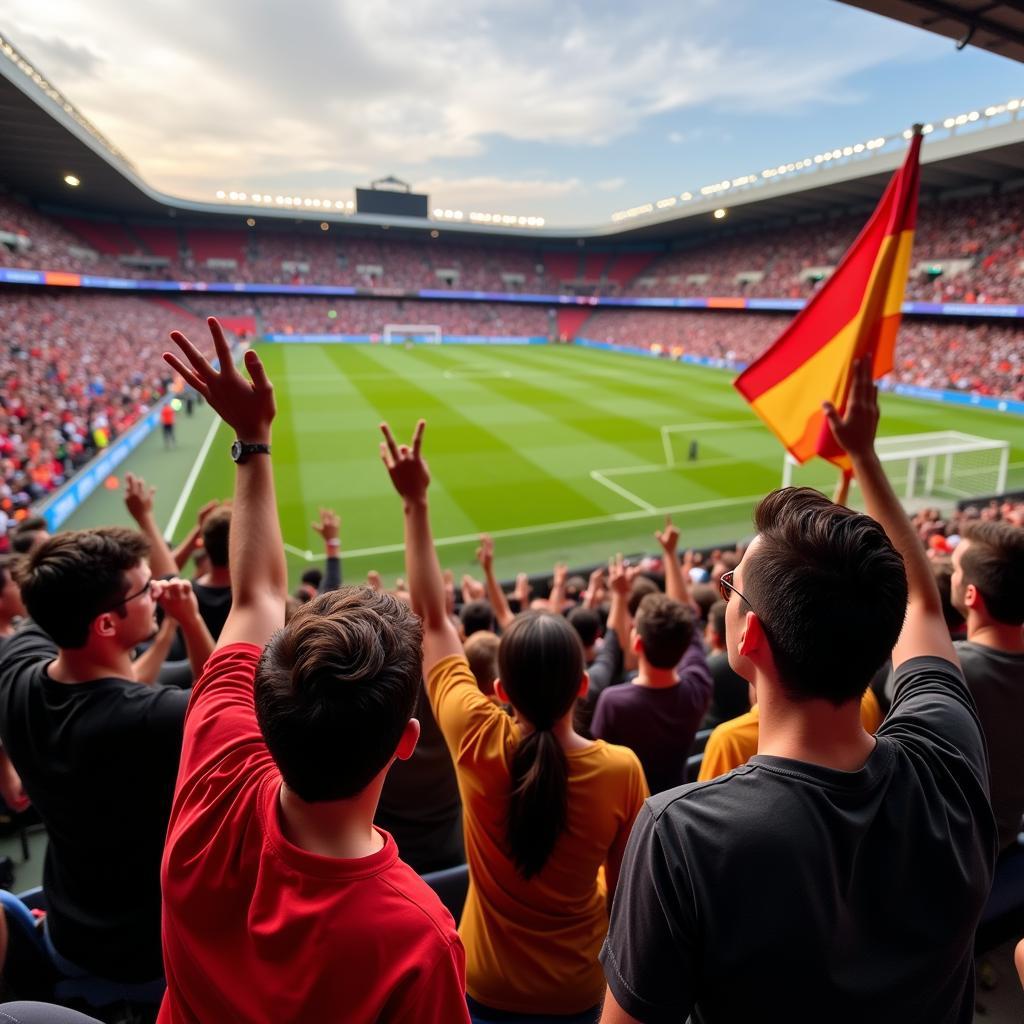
[992, 25]
[46, 138]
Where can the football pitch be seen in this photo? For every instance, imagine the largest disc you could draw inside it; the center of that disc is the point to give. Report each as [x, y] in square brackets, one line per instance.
[562, 453]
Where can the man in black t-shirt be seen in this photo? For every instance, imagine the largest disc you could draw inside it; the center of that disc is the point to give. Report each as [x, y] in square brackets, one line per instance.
[836, 876]
[97, 752]
[213, 587]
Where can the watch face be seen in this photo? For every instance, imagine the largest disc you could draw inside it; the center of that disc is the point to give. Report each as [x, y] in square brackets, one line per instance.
[236, 449]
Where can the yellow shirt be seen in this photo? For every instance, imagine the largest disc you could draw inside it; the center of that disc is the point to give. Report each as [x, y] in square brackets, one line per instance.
[532, 945]
[735, 742]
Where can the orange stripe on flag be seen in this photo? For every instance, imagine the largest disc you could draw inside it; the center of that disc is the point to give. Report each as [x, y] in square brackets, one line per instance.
[856, 313]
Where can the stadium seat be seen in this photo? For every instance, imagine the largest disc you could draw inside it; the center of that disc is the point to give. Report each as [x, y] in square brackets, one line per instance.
[479, 1016]
[700, 741]
[1003, 917]
[450, 885]
[693, 763]
[42, 1013]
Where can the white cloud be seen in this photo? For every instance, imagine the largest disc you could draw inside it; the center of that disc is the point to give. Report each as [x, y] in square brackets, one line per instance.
[610, 184]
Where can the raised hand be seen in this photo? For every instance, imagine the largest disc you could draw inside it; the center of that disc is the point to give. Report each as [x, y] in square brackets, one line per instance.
[138, 498]
[621, 575]
[405, 464]
[204, 512]
[668, 538]
[485, 553]
[522, 591]
[560, 574]
[595, 587]
[177, 599]
[329, 526]
[373, 581]
[472, 589]
[855, 431]
[245, 405]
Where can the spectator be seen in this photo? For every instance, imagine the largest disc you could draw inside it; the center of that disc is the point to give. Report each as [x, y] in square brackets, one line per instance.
[988, 589]
[288, 738]
[799, 845]
[545, 809]
[481, 651]
[587, 624]
[29, 533]
[213, 589]
[97, 751]
[729, 698]
[657, 715]
[12, 610]
[476, 616]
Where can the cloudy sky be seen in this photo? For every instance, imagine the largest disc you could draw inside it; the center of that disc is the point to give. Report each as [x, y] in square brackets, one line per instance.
[567, 110]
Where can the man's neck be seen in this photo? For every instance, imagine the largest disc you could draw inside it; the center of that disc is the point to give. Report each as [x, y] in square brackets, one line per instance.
[342, 829]
[6, 627]
[83, 665]
[997, 635]
[217, 576]
[814, 731]
[655, 678]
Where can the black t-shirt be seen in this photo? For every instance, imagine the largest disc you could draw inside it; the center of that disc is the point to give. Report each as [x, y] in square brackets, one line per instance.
[214, 605]
[731, 695]
[788, 891]
[99, 761]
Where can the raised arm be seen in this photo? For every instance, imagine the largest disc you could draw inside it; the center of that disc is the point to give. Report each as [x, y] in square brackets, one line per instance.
[499, 602]
[411, 478]
[924, 629]
[183, 552]
[620, 582]
[138, 499]
[677, 585]
[329, 528]
[556, 599]
[259, 575]
[178, 601]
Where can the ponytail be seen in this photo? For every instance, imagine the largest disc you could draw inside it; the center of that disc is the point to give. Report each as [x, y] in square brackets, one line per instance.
[539, 802]
[541, 666]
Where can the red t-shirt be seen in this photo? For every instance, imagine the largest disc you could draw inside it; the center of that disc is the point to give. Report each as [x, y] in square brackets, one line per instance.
[257, 929]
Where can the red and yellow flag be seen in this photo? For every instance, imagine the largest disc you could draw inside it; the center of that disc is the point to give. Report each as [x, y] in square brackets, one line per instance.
[856, 313]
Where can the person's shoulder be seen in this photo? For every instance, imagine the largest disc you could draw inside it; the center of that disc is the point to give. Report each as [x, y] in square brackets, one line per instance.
[974, 655]
[613, 758]
[238, 661]
[418, 908]
[30, 642]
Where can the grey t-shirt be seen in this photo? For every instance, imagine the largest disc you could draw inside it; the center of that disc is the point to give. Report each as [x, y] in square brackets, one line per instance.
[789, 891]
[996, 681]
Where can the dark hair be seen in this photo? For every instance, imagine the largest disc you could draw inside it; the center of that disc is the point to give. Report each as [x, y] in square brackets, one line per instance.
[830, 591]
[540, 664]
[665, 627]
[642, 586]
[706, 595]
[994, 563]
[475, 616]
[716, 618]
[481, 650]
[314, 577]
[574, 586]
[335, 688]
[24, 534]
[8, 564]
[73, 577]
[216, 532]
[587, 623]
[943, 573]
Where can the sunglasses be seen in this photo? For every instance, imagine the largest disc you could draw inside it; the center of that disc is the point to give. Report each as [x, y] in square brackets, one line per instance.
[132, 597]
[726, 589]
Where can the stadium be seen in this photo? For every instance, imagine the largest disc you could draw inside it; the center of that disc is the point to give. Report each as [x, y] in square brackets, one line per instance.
[587, 443]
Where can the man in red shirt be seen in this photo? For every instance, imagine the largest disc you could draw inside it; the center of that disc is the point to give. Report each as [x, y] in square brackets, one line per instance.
[282, 901]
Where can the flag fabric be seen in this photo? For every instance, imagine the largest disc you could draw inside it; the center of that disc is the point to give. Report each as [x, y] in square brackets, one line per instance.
[855, 314]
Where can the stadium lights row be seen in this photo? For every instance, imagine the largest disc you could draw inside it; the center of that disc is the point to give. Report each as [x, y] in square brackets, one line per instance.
[819, 159]
[505, 219]
[345, 205]
[23, 65]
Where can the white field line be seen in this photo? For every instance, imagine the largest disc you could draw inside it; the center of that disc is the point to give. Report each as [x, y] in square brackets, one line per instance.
[301, 552]
[567, 524]
[190, 482]
[627, 494]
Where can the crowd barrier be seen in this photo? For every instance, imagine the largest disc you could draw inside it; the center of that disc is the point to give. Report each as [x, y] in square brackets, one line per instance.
[64, 279]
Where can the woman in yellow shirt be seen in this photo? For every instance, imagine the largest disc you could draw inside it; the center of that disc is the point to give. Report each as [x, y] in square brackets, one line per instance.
[547, 813]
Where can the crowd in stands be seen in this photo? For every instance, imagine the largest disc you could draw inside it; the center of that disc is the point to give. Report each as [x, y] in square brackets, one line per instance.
[75, 372]
[966, 249]
[727, 783]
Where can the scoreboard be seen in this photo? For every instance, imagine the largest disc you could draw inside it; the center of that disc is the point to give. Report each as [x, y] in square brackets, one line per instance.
[391, 204]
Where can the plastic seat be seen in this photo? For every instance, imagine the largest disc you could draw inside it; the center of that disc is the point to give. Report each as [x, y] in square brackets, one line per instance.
[692, 770]
[42, 1013]
[700, 741]
[451, 886]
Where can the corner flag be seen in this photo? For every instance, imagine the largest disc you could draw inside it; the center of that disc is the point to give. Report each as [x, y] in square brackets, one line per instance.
[855, 314]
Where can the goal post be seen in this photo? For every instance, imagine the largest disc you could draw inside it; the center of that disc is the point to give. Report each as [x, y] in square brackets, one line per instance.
[401, 333]
[945, 463]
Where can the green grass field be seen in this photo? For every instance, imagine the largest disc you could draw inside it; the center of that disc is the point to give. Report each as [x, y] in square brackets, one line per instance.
[513, 438]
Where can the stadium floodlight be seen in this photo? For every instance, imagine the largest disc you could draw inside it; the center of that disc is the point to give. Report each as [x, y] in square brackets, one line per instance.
[70, 179]
[220, 193]
[324, 226]
[720, 213]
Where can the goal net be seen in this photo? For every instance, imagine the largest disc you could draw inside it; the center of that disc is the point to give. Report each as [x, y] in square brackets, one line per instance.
[400, 334]
[945, 464]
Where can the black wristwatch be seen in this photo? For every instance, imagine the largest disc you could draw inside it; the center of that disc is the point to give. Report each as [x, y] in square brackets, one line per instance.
[241, 450]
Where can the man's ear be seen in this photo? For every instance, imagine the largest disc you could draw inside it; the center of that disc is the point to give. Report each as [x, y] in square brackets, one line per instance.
[410, 737]
[635, 642]
[103, 625]
[752, 638]
[973, 598]
[584, 686]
